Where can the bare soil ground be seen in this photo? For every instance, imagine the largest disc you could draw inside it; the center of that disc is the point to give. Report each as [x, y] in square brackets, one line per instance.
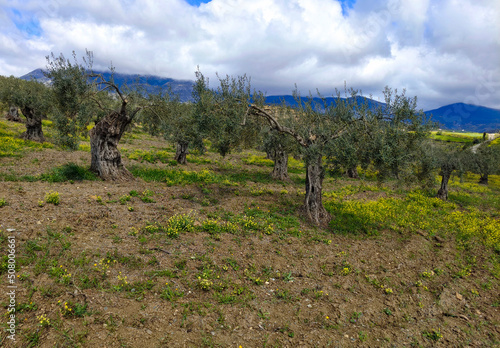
[308, 289]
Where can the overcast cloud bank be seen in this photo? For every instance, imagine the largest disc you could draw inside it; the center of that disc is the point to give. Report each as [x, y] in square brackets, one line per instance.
[443, 51]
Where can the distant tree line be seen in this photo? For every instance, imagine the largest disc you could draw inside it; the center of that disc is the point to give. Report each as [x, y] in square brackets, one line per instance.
[335, 137]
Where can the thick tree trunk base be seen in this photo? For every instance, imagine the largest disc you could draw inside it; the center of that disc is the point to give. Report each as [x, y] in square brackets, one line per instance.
[442, 194]
[33, 135]
[443, 191]
[34, 130]
[106, 160]
[13, 115]
[483, 180]
[280, 170]
[352, 173]
[313, 207]
[317, 215]
[181, 152]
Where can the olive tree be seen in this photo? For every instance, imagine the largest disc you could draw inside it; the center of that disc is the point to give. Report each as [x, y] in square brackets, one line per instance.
[220, 114]
[13, 114]
[175, 121]
[312, 129]
[111, 121]
[313, 125]
[71, 92]
[398, 136]
[33, 99]
[277, 147]
[485, 161]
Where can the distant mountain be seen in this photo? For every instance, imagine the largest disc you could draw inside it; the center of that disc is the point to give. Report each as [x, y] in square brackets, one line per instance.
[469, 117]
[290, 101]
[37, 74]
[454, 116]
[149, 82]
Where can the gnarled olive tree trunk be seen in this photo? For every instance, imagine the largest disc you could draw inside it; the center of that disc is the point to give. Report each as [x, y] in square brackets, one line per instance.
[33, 125]
[106, 160]
[313, 204]
[13, 115]
[181, 152]
[352, 173]
[443, 191]
[280, 170]
[483, 180]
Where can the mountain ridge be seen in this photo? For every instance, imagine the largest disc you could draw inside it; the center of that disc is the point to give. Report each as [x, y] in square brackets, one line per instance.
[455, 116]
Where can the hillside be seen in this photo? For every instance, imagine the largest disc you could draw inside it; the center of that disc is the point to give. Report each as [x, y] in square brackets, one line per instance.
[289, 100]
[149, 83]
[217, 254]
[472, 118]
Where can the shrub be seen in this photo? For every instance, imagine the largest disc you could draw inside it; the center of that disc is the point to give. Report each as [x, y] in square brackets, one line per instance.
[52, 198]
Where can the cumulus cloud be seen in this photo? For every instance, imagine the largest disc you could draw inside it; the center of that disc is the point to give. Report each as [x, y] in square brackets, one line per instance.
[443, 51]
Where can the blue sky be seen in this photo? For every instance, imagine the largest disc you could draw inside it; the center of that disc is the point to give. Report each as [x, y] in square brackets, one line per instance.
[26, 23]
[435, 49]
[197, 2]
[346, 5]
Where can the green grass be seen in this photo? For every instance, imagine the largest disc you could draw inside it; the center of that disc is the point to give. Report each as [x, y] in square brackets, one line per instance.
[68, 172]
[417, 211]
[456, 136]
[179, 176]
[12, 146]
[151, 156]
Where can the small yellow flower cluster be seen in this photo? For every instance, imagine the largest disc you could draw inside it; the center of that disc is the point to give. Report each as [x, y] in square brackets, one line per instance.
[66, 310]
[211, 226]
[345, 271]
[122, 280]
[205, 284]
[248, 222]
[66, 278]
[44, 321]
[269, 229]
[419, 284]
[52, 197]
[179, 223]
[428, 274]
[257, 160]
[102, 266]
[319, 294]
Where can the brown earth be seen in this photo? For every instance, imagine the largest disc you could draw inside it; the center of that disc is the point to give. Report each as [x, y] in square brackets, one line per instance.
[304, 299]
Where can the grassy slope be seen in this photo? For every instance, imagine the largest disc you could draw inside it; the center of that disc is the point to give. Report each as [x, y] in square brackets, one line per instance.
[216, 254]
[455, 136]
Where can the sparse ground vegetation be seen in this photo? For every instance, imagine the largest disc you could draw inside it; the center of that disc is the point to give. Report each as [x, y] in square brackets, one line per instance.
[215, 253]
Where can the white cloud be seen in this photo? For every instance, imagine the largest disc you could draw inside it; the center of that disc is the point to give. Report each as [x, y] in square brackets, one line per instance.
[443, 51]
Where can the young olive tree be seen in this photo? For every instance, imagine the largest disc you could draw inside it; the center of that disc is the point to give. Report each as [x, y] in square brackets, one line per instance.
[220, 115]
[277, 147]
[73, 108]
[450, 159]
[485, 161]
[33, 98]
[398, 136]
[175, 121]
[353, 148]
